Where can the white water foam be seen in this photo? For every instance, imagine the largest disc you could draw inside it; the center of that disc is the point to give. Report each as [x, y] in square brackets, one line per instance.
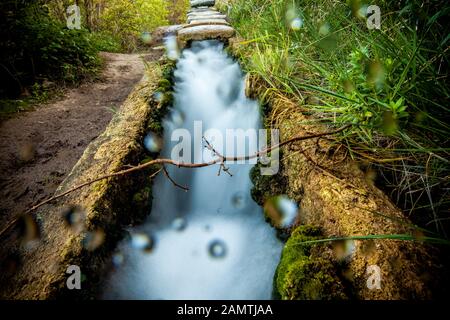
[220, 246]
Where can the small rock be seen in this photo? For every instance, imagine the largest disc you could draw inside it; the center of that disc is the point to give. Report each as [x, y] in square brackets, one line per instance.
[202, 3]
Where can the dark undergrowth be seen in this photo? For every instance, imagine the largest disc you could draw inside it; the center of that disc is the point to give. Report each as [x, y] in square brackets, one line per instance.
[40, 54]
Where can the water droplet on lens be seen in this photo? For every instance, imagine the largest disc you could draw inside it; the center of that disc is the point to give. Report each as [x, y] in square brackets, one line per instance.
[350, 248]
[177, 117]
[179, 224]
[217, 249]
[281, 210]
[348, 86]
[418, 235]
[27, 152]
[296, 24]
[158, 96]
[376, 74]
[172, 50]
[362, 11]
[74, 217]
[153, 143]
[324, 29]
[293, 18]
[239, 200]
[355, 6]
[370, 176]
[29, 229]
[344, 249]
[10, 264]
[146, 37]
[93, 239]
[390, 123]
[117, 259]
[141, 241]
[368, 248]
[291, 13]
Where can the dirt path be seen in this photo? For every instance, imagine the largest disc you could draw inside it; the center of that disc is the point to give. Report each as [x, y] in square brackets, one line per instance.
[39, 148]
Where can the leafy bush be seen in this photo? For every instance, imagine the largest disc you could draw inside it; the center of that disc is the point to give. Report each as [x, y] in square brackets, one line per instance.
[36, 47]
[103, 41]
[127, 20]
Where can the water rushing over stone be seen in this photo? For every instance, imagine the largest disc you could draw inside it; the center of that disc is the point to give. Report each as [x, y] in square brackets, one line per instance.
[224, 249]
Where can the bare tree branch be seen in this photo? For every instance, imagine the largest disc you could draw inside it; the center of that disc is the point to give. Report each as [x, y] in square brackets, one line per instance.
[219, 160]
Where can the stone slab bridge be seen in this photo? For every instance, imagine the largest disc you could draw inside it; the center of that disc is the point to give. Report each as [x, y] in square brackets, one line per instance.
[204, 22]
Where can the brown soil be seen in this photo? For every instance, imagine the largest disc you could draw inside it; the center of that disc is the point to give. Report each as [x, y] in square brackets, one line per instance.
[39, 148]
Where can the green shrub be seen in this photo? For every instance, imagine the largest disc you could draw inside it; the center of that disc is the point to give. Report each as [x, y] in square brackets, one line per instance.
[36, 47]
[127, 20]
[103, 41]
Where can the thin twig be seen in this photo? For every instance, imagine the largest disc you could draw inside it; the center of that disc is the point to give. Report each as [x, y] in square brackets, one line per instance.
[173, 181]
[222, 166]
[156, 173]
[226, 169]
[294, 139]
[16, 219]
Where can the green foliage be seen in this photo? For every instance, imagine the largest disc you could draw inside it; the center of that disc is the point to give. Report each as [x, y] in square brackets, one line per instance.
[65, 54]
[391, 84]
[177, 11]
[103, 41]
[36, 47]
[127, 20]
[39, 92]
[11, 106]
[123, 23]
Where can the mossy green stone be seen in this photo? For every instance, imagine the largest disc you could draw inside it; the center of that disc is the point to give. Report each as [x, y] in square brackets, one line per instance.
[302, 276]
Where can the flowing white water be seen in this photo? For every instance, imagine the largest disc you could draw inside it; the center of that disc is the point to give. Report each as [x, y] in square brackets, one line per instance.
[211, 242]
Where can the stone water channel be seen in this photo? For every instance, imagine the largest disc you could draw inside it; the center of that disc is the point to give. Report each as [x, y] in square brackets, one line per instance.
[213, 241]
[213, 244]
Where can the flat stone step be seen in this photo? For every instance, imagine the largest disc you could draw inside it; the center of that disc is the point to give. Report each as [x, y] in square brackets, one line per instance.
[200, 9]
[206, 22]
[217, 16]
[200, 12]
[206, 32]
[203, 14]
[202, 3]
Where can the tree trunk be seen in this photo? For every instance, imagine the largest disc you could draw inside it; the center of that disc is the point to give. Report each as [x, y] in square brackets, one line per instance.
[88, 9]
